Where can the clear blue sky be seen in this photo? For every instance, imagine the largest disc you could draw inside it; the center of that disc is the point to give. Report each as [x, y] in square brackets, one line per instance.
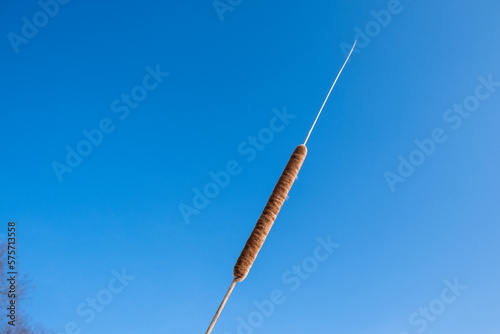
[403, 236]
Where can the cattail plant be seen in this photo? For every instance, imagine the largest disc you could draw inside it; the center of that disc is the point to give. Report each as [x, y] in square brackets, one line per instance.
[271, 210]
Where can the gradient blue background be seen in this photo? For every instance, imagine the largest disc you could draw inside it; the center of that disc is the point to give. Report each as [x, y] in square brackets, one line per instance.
[119, 207]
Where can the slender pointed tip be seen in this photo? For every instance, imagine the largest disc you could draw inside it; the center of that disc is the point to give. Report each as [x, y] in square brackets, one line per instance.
[328, 95]
[353, 46]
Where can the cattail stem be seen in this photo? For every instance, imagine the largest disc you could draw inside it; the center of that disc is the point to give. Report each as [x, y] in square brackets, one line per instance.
[219, 310]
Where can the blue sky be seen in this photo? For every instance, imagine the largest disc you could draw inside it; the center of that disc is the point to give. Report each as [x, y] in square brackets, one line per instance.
[176, 90]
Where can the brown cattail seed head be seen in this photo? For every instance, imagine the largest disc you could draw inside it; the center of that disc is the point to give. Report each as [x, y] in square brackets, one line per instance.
[269, 214]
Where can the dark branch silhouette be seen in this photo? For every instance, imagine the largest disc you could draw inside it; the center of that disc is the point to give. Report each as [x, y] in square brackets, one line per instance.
[23, 323]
